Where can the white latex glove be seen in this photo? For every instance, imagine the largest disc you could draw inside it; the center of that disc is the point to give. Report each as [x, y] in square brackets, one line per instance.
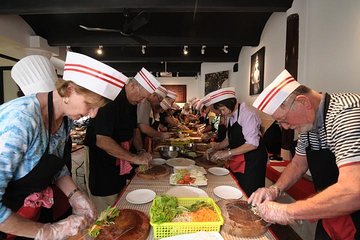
[261, 194]
[83, 206]
[220, 155]
[274, 212]
[63, 229]
[143, 158]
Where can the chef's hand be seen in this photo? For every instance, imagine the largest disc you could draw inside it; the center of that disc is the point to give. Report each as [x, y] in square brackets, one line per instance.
[142, 158]
[182, 127]
[166, 135]
[220, 155]
[274, 212]
[261, 194]
[83, 206]
[63, 229]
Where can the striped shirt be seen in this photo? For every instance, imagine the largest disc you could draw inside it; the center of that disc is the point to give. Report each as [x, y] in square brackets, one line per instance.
[342, 134]
[23, 141]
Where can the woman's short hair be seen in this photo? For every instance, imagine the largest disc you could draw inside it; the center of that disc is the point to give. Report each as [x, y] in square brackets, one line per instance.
[93, 99]
[229, 103]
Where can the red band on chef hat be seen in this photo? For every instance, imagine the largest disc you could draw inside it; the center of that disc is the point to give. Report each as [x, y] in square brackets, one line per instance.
[194, 102]
[165, 104]
[161, 91]
[93, 75]
[219, 95]
[275, 94]
[34, 74]
[147, 80]
[199, 105]
[172, 95]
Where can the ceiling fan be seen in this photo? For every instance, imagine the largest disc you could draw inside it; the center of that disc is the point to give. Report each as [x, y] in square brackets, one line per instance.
[129, 27]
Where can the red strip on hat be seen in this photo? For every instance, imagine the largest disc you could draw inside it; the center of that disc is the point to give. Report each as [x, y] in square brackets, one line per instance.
[96, 76]
[163, 90]
[222, 93]
[147, 80]
[94, 70]
[274, 91]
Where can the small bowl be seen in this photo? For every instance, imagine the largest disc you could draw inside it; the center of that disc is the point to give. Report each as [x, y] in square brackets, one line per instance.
[167, 152]
[190, 146]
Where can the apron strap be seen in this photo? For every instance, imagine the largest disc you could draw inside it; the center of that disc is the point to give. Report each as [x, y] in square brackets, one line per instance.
[50, 117]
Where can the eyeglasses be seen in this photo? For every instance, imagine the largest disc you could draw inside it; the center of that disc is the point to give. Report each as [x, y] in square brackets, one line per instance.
[283, 120]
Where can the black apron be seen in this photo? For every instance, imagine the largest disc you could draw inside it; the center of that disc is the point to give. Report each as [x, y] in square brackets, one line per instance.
[255, 161]
[324, 172]
[40, 177]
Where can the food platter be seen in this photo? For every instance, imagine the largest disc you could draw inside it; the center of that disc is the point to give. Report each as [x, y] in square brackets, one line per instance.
[228, 192]
[140, 196]
[180, 162]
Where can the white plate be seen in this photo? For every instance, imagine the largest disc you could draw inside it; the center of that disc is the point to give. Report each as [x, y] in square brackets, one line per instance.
[158, 161]
[180, 162]
[186, 192]
[140, 196]
[228, 192]
[218, 171]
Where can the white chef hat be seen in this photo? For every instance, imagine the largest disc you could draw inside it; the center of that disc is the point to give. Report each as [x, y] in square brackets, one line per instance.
[33, 74]
[194, 101]
[165, 104]
[93, 75]
[147, 80]
[200, 104]
[161, 91]
[219, 95]
[175, 106]
[276, 93]
[172, 94]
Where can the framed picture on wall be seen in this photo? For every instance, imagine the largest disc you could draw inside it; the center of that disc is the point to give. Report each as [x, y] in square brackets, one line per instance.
[257, 72]
[180, 91]
[215, 81]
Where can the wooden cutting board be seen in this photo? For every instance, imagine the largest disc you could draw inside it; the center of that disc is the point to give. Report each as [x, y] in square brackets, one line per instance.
[239, 220]
[203, 162]
[156, 172]
[131, 224]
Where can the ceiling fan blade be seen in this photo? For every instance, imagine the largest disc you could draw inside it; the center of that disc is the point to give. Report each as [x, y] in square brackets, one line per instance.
[137, 22]
[96, 29]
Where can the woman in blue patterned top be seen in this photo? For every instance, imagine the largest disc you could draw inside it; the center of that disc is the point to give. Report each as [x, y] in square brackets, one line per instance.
[34, 130]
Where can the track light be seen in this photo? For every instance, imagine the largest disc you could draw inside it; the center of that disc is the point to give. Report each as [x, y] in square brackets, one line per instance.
[225, 48]
[143, 47]
[99, 51]
[203, 49]
[185, 50]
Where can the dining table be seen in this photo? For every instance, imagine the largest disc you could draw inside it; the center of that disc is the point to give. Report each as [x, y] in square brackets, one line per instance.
[162, 185]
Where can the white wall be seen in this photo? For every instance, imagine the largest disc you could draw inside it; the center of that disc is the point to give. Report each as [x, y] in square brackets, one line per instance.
[329, 49]
[211, 67]
[192, 84]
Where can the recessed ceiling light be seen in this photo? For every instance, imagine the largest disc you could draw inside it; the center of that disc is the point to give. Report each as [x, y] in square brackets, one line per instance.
[225, 49]
[143, 47]
[203, 49]
[99, 51]
[185, 50]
